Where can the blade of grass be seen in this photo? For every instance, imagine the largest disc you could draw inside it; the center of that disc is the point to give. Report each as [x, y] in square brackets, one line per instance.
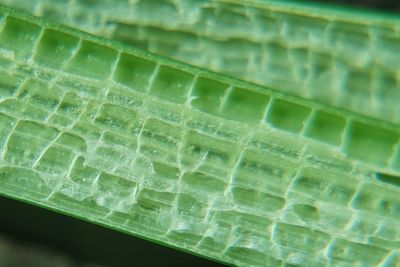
[348, 58]
[192, 159]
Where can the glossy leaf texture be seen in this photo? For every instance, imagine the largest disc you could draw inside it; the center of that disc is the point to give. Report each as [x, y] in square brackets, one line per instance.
[347, 58]
[239, 173]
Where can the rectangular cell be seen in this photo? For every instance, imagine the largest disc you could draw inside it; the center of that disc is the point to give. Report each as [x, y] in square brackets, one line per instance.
[114, 192]
[172, 84]
[287, 115]
[197, 181]
[326, 127]
[232, 17]
[330, 186]
[187, 230]
[55, 48]
[155, 201]
[288, 148]
[160, 134]
[37, 130]
[20, 109]
[134, 72]
[216, 238]
[126, 98]
[60, 121]
[209, 154]
[266, 25]
[378, 199]
[19, 36]
[114, 139]
[71, 105]
[82, 173]
[260, 170]
[350, 40]
[160, 141]
[87, 130]
[93, 60]
[306, 213]
[244, 105]
[370, 143]
[208, 95]
[38, 93]
[23, 150]
[116, 118]
[188, 205]
[256, 200]
[56, 160]
[165, 172]
[72, 141]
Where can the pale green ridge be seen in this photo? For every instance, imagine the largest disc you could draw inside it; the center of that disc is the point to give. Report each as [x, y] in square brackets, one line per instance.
[344, 58]
[214, 166]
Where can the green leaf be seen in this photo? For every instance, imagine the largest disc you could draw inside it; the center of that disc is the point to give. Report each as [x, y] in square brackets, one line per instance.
[222, 168]
[348, 58]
